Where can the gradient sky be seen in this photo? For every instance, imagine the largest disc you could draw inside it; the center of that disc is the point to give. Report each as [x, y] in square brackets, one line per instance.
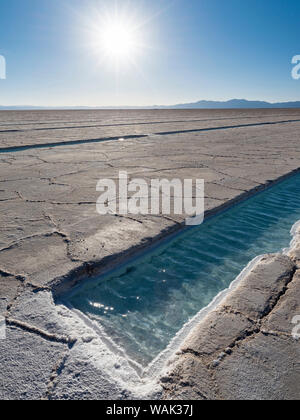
[193, 49]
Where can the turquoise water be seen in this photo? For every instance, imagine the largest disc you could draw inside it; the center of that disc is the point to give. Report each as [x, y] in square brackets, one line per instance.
[145, 305]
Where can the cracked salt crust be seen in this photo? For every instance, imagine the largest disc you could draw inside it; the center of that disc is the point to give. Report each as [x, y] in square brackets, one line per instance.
[94, 346]
[56, 204]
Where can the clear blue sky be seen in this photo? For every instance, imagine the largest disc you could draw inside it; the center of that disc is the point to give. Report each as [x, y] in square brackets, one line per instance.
[190, 50]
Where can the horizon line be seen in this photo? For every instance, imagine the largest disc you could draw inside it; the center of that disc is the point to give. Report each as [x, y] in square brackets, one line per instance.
[183, 104]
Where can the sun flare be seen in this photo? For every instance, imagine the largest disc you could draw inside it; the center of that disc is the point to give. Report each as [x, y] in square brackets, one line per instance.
[116, 39]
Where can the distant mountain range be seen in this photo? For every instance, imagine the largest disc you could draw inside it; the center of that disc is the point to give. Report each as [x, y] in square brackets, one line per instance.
[232, 104]
[237, 103]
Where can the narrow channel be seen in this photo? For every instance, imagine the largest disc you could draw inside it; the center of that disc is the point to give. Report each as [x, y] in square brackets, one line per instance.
[143, 306]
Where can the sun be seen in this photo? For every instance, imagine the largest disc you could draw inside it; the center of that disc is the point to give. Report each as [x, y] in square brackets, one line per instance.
[118, 37]
[118, 40]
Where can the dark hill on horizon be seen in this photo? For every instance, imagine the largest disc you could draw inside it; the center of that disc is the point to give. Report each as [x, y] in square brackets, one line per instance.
[203, 104]
[236, 103]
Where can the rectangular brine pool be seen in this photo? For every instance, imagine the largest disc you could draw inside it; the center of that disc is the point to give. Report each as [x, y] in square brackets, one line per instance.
[144, 305]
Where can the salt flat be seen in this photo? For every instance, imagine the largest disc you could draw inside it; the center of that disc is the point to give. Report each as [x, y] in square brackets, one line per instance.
[52, 237]
[47, 127]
